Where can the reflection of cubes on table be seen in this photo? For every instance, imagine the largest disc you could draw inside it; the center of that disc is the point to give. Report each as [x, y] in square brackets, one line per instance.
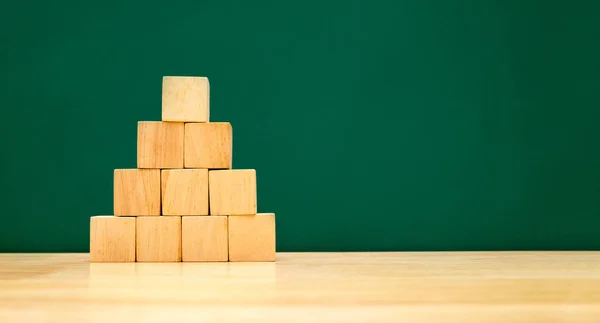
[252, 237]
[158, 239]
[185, 99]
[232, 192]
[184, 191]
[136, 192]
[204, 238]
[208, 145]
[160, 144]
[112, 239]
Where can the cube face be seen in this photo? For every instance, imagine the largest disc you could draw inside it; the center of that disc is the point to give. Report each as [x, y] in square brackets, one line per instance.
[184, 192]
[158, 239]
[136, 192]
[252, 238]
[208, 145]
[160, 144]
[232, 192]
[204, 238]
[112, 239]
[185, 99]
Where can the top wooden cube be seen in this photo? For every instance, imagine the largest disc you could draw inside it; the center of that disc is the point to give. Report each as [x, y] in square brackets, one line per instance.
[185, 99]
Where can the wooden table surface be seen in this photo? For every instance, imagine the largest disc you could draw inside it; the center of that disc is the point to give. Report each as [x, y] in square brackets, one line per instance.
[307, 287]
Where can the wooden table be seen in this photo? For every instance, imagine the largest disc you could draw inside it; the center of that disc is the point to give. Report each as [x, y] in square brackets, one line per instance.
[306, 287]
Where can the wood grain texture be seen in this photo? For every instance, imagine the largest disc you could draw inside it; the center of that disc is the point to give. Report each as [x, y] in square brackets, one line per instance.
[208, 145]
[112, 239]
[184, 191]
[160, 144]
[252, 238]
[185, 99]
[455, 287]
[232, 192]
[158, 239]
[136, 192]
[204, 238]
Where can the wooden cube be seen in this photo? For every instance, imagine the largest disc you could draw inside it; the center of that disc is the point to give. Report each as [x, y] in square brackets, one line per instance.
[185, 99]
[184, 191]
[158, 239]
[208, 145]
[160, 144]
[136, 192]
[112, 239]
[204, 238]
[252, 238]
[232, 192]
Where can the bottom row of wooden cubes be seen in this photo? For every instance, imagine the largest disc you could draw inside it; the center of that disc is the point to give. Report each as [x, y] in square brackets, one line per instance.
[187, 238]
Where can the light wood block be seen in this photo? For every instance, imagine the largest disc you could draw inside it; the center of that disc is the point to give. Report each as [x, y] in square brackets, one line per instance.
[204, 238]
[158, 239]
[160, 144]
[252, 238]
[112, 239]
[208, 145]
[184, 191]
[232, 192]
[136, 192]
[185, 99]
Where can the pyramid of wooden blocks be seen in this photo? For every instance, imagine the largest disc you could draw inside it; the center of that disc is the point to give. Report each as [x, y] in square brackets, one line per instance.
[184, 201]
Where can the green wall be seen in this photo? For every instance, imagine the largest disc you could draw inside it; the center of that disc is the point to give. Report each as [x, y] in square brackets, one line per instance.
[373, 125]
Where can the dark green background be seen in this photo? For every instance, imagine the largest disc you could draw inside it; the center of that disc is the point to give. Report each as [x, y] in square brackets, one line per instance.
[373, 125]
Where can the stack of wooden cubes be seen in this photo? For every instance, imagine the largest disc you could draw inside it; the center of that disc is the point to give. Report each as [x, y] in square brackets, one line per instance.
[184, 202]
